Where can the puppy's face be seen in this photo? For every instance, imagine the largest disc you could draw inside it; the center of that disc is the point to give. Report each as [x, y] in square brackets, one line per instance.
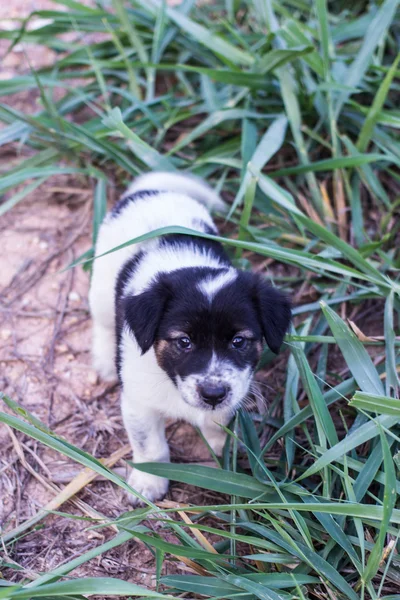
[207, 328]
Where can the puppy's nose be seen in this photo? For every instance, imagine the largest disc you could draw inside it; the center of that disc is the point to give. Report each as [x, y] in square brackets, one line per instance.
[213, 393]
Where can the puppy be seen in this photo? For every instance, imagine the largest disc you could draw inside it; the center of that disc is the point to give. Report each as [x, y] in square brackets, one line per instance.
[174, 321]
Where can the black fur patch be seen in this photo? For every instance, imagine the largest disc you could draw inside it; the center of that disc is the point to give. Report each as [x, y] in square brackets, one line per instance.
[134, 310]
[175, 303]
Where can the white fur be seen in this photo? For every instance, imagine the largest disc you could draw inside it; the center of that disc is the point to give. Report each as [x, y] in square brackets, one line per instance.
[219, 372]
[165, 260]
[187, 184]
[212, 285]
[148, 396]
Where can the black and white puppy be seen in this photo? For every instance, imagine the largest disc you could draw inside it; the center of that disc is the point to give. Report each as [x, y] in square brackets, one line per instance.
[174, 321]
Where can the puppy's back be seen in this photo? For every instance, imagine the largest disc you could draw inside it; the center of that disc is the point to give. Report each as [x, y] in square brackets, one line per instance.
[153, 201]
[186, 184]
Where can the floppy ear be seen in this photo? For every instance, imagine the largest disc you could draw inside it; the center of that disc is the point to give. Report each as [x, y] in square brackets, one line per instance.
[143, 314]
[274, 313]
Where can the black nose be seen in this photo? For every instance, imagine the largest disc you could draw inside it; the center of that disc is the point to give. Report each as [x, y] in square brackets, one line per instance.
[213, 394]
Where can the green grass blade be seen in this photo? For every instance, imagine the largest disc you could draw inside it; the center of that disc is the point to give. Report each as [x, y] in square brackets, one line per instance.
[280, 56]
[330, 164]
[376, 32]
[293, 111]
[389, 500]
[258, 590]
[20, 195]
[250, 440]
[51, 576]
[313, 559]
[204, 36]
[357, 358]
[285, 201]
[367, 512]
[324, 422]
[246, 213]
[99, 207]
[269, 144]
[148, 155]
[212, 121]
[134, 87]
[359, 436]
[290, 406]
[392, 378]
[335, 532]
[210, 586]
[380, 405]
[12, 180]
[373, 114]
[298, 258]
[192, 551]
[225, 482]
[88, 586]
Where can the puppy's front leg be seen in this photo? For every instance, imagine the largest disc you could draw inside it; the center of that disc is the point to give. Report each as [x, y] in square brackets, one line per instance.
[103, 351]
[214, 433]
[146, 432]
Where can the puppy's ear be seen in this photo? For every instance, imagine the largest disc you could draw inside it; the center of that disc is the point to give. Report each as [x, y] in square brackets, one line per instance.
[143, 314]
[274, 312]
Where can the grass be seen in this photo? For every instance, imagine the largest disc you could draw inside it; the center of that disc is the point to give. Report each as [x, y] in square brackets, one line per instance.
[291, 109]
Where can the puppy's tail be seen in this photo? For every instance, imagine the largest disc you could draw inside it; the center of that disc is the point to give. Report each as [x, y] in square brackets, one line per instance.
[187, 184]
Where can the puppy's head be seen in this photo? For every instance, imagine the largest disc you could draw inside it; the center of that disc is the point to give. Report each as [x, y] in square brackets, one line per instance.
[207, 328]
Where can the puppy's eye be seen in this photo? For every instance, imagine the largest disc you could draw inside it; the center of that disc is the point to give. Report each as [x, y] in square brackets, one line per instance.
[239, 342]
[184, 343]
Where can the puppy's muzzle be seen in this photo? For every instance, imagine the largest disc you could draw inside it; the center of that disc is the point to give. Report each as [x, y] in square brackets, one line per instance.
[212, 393]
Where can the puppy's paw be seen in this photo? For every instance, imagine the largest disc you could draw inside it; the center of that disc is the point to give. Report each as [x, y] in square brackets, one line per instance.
[217, 441]
[150, 486]
[106, 370]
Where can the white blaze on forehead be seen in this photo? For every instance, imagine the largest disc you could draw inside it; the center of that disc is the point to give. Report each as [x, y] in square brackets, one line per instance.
[213, 365]
[166, 259]
[218, 368]
[212, 284]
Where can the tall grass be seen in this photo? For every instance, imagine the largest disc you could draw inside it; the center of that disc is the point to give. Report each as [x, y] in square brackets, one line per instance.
[292, 109]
